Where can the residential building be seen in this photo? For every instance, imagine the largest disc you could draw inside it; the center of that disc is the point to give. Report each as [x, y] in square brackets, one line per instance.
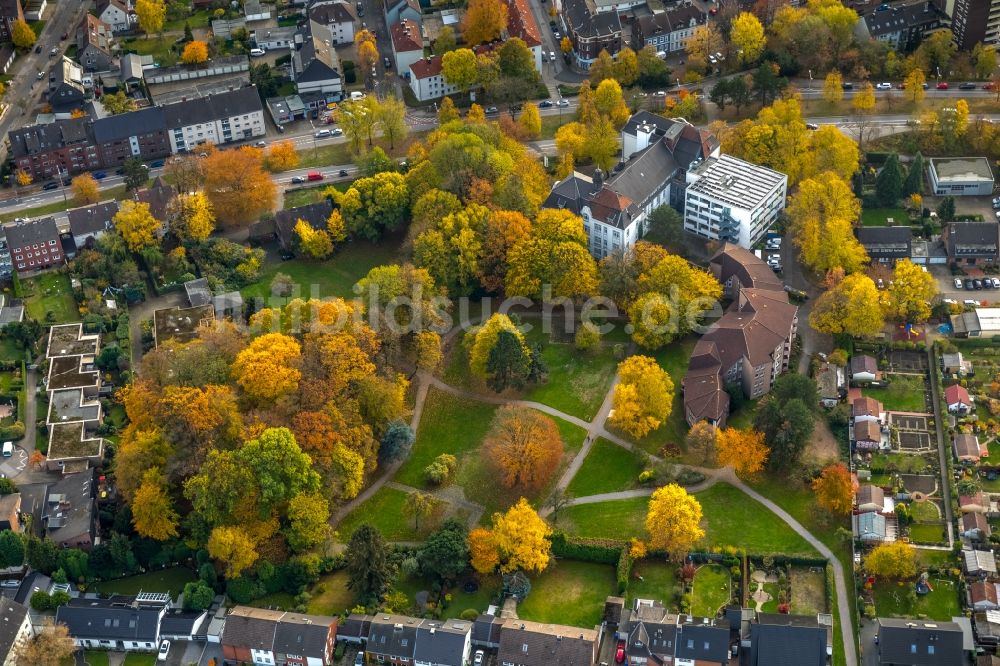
[524, 643]
[34, 244]
[918, 643]
[955, 364]
[966, 448]
[870, 527]
[7, 54]
[277, 38]
[88, 223]
[521, 24]
[867, 408]
[397, 10]
[443, 643]
[789, 640]
[960, 176]
[316, 215]
[316, 68]
[615, 206]
[15, 630]
[69, 515]
[10, 512]
[730, 200]
[652, 633]
[66, 88]
[591, 31]
[218, 119]
[667, 31]
[983, 596]
[974, 526]
[140, 134]
[181, 625]
[972, 243]
[10, 11]
[95, 45]
[902, 26]
[407, 43]
[116, 14]
[61, 148]
[864, 369]
[748, 346]
[973, 21]
[977, 502]
[979, 322]
[868, 436]
[333, 20]
[427, 80]
[355, 629]
[158, 196]
[486, 631]
[873, 498]
[702, 641]
[392, 639]
[73, 385]
[957, 399]
[260, 636]
[832, 383]
[117, 623]
[979, 563]
[886, 245]
[180, 324]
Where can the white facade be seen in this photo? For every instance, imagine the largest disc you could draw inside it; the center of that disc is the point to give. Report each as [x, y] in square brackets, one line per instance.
[118, 19]
[431, 87]
[732, 200]
[406, 58]
[224, 130]
[604, 239]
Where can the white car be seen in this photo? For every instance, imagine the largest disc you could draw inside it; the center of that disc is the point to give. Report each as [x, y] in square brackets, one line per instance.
[996, 282]
[958, 283]
[883, 86]
[256, 53]
[322, 133]
[479, 659]
[164, 651]
[336, 131]
[562, 102]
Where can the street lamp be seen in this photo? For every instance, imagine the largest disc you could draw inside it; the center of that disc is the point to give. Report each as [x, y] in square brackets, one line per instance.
[810, 79]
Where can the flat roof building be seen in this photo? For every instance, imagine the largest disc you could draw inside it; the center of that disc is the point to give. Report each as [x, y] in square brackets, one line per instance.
[981, 322]
[960, 176]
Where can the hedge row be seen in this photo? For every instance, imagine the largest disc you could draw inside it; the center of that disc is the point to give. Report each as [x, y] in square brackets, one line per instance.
[602, 551]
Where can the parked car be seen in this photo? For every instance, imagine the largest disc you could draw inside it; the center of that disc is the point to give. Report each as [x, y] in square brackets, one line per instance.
[995, 282]
[492, 111]
[100, 175]
[298, 180]
[54, 50]
[977, 284]
[479, 659]
[883, 86]
[620, 653]
[942, 86]
[322, 133]
[261, 144]
[51, 185]
[386, 62]
[156, 164]
[552, 56]
[545, 104]
[38, 49]
[336, 131]
[164, 651]
[989, 86]
[967, 86]
[812, 126]
[958, 283]
[359, 660]
[968, 283]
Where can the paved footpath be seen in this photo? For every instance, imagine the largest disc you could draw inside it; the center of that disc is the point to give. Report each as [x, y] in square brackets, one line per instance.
[595, 428]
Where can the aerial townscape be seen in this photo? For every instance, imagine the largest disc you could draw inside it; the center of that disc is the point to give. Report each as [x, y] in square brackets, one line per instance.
[499, 332]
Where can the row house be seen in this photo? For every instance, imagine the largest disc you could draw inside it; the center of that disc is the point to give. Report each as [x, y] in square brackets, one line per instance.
[407, 43]
[521, 24]
[34, 244]
[57, 149]
[118, 623]
[316, 69]
[591, 31]
[95, 44]
[260, 636]
[236, 115]
[667, 31]
[140, 134]
[10, 12]
[972, 243]
[427, 79]
[16, 629]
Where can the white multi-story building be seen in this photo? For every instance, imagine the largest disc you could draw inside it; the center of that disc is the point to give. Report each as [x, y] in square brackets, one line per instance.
[236, 115]
[333, 20]
[427, 80]
[733, 201]
[614, 207]
[407, 43]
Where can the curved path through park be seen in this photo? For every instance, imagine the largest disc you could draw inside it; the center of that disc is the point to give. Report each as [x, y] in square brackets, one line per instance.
[595, 429]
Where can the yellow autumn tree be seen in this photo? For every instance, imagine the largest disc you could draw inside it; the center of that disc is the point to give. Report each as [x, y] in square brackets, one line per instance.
[485, 338]
[335, 227]
[85, 189]
[835, 488]
[314, 243]
[643, 397]
[822, 214]
[833, 87]
[910, 292]
[530, 121]
[281, 156]
[195, 219]
[22, 35]
[747, 34]
[673, 521]
[234, 548]
[153, 513]
[268, 368]
[853, 306]
[745, 450]
[22, 177]
[151, 15]
[136, 225]
[892, 560]
[483, 554]
[195, 53]
[518, 541]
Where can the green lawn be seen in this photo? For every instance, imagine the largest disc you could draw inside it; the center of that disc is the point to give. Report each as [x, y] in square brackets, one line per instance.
[50, 292]
[384, 510]
[165, 580]
[652, 580]
[925, 512]
[448, 425]
[711, 590]
[905, 393]
[607, 468]
[334, 598]
[303, 196]
[9, 351]
[878, 217]
[570, 593]
[200, 18]
[324, 279]
[139, 659]
[95, 658]
[158, 47]
[279, 600]
[730, 518]
[808, 591]
[928, 533]
[577, 381]
[893, 600]
[461, 600]
[931, 558]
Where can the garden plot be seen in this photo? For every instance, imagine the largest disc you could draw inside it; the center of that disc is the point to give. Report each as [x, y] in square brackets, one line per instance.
[913, 430]
[920, 483]
[908, 361]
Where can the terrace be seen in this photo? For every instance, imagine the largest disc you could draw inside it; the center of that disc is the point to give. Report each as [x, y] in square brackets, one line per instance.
[70, 406]
[68, 442]
[69, 340]
[179, 324]
[73, 372]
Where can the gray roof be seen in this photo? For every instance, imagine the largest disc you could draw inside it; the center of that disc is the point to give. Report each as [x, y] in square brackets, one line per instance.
[29, 232]
[44, 138]
[892, 241]
[900, 17]
[12, 616]
[303, 634]
[393, 635]
[702, 642]
[787, 640]
[664, 23]
[536, 644]
[309, 68]
[643, 172]
[331, 12]
[134, 123]
[213, 107]
[442, 642]
[486, 629]
[36, 581]
[69, 506]
[182, 623]
[961, 169]
[355, 627]
[973, 238]
[92, 219]
[863, 363]
[315, 214]
[582, 20]
[117, 618]
[198, 292]
[919, 642]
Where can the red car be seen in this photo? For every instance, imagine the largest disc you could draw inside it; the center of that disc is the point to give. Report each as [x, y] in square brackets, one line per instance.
[620, 653]
[314, 175]
[942, 86]
[989, 86]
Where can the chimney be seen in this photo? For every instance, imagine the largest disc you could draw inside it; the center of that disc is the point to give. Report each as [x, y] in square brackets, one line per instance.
[598, 179]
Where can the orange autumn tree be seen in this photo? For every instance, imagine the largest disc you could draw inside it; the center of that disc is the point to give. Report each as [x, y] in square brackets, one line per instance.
[743, 449]
[835, 488]
[523, 447]
[268, 368]
[518, 541]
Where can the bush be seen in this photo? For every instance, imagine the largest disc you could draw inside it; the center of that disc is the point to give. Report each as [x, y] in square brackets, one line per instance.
[469, 614]
[442, 467]
[602, 551]
[624, 570]
[587, 337]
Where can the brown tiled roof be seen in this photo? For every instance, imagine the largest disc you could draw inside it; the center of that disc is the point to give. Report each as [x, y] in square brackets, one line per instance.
[863, 363]
[867, 431]
[956, 393]
[521, 22]
[866, 406]
[871, 494]
[251, 628]
[973, 520]
[705, 396]
[748, 269]
[983, 591]
[972, 500]
[536, 644]
[966, 445]
[755, 325]
[158, 197]
[406, 36]
[426, 67]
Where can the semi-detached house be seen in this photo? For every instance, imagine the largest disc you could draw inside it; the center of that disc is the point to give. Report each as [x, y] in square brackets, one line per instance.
[267, 637]
[667, 31]
[118, 623]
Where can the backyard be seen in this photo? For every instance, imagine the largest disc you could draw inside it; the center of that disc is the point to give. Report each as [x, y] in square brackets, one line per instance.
[879, 217]
[894, 599]
[808, 590]
[50, 293]
[711, 589]
[170, 580]
[652, 580]
[384, 510]
[905, 393]
[569, 592]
